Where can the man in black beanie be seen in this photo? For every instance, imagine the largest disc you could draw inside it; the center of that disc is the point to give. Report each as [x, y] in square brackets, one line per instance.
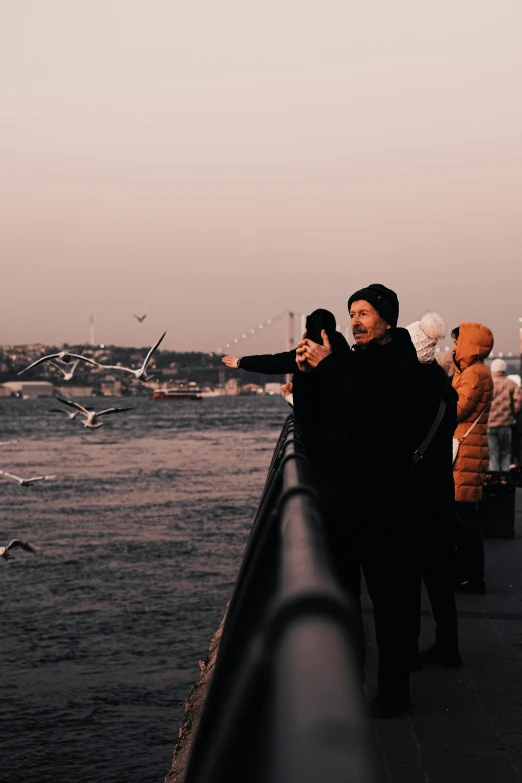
[365, 326]
[370, 397]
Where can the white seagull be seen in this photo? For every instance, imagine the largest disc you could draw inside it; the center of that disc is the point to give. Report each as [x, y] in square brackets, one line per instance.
[25, 482]
[62, 410]
[63, 356]
[25, 545]
[91, 417]
[67, 374]
[141, 374]
[140, 318]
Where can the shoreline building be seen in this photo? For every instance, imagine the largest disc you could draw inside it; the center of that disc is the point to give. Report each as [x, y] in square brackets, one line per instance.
[111, 386]
[30, 389]
[73, 391]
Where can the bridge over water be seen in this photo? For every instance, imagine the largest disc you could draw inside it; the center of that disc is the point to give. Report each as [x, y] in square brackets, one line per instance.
[294, 326]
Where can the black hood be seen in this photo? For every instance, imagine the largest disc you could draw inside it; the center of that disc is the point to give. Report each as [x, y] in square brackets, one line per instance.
[327, 318]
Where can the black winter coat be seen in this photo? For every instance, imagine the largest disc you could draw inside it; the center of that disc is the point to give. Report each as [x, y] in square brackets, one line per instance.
[367, 403]
[432, 478]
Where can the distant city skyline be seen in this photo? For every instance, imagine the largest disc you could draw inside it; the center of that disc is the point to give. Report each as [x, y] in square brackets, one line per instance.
[218, 164]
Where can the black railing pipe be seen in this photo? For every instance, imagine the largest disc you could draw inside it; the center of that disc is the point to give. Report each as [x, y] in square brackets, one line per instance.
[285, 701]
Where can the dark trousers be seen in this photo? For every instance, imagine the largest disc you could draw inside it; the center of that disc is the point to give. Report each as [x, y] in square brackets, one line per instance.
[500, 448]
[375, 541]
[389, 576]
[469, 560]
[516, 442]
[433, 534]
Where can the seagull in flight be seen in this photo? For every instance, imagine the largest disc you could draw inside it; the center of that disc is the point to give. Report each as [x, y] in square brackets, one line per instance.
[141, 373]
[140, 318]
[25, 545]
[64, 357]
[71, 416]
[67, 374]
[91, 417]
[25, 482]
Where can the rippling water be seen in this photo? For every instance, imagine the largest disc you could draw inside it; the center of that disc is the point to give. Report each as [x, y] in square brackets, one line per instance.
[143, 530]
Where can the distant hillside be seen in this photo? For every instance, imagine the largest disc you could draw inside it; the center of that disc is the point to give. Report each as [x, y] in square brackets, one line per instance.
[167, 366]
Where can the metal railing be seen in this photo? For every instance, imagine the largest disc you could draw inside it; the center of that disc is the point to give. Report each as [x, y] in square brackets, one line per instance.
[285, 700]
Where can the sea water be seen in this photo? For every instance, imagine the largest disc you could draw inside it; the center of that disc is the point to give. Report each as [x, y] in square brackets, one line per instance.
[143, 530]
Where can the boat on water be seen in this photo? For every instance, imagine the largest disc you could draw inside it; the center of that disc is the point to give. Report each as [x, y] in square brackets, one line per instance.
[179, 393]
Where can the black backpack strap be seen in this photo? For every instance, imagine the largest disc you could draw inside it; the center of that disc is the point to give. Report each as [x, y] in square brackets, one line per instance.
[431, 433]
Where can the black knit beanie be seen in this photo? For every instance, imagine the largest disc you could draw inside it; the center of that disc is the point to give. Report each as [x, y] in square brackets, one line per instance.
[383, 299]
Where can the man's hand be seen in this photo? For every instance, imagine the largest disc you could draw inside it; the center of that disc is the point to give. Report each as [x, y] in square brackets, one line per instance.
[302, 363]
[287, 392]
[231, 361]
[311, 353]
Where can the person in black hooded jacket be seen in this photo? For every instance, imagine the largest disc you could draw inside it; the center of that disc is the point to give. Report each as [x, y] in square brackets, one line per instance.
[368, 401]
[285, 363]
[305, 400]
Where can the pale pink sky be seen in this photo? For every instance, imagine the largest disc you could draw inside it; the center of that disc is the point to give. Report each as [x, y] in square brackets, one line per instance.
[216, 163]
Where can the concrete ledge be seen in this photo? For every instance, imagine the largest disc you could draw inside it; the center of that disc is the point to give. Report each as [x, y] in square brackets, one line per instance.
[193, 710]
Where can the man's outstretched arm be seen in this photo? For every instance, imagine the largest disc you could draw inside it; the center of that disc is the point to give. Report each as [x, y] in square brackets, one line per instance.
[267, 364]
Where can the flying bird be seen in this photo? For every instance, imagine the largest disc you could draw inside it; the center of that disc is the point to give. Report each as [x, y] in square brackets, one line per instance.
[25, 545]
[141, 373]
[67, 374]
[63, 356]
[25, 482]
[140, 318]
[91, 417]
[62, 410]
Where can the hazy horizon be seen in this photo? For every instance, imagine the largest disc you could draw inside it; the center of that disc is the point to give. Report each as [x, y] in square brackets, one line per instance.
[214, 165]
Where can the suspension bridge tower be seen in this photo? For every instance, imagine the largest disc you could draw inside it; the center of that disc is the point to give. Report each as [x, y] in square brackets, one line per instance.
[290, 337]
[520, 337]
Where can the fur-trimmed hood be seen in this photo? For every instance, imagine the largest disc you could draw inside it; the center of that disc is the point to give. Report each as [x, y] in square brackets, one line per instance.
[474, 344]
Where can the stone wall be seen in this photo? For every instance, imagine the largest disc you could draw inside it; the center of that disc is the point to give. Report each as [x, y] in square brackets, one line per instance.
[193, 710]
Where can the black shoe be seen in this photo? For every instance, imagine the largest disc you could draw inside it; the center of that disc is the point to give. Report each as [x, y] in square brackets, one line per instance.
[442, 655]
[471, 587]
[389, 705]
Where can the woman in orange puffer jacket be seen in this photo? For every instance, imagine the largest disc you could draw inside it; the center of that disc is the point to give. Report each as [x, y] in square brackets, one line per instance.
[474, 385]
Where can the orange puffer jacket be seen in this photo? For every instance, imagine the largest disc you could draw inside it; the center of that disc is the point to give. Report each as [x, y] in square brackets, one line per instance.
[474, 385]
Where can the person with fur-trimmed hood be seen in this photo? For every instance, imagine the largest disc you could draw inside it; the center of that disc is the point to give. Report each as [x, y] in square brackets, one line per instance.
[432, 498]
[474, 385]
